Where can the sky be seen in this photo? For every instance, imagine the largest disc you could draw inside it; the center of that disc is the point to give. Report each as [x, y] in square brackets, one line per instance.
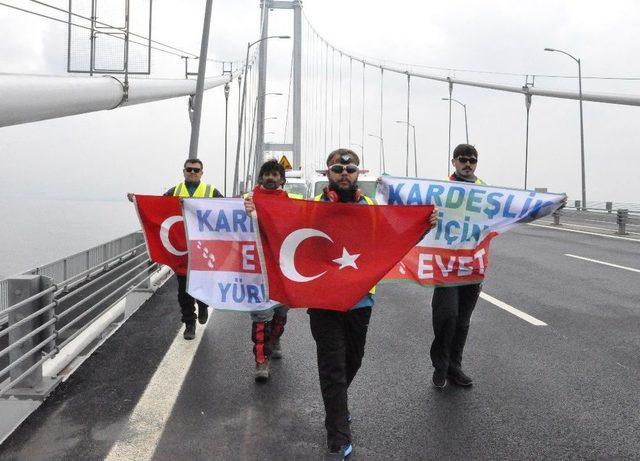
[141, 148]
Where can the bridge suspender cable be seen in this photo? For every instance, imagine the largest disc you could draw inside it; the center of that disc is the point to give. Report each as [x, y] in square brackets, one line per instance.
[340, 102]
[364, 71]
[383, 168]
[350, 95]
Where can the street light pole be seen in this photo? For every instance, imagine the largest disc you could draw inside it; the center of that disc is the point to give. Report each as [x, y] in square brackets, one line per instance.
[527, 102]
[382, 163]
[466, 125]
[449, 151]
[406, 172]
[415, 151]
[584, 187]
[227, 89]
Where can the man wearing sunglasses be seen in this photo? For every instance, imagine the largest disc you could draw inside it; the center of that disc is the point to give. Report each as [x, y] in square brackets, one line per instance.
[340, 336]
[192, 186]
[452, 306]
[465, 161]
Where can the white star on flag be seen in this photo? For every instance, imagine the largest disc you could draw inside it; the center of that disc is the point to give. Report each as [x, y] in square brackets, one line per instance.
[346, 259]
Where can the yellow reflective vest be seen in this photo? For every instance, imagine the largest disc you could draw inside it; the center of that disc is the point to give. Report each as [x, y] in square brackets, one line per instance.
[369, 201]
[203, 190]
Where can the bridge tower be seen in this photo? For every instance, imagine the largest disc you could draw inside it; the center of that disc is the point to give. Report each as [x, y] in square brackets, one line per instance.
[294, 147]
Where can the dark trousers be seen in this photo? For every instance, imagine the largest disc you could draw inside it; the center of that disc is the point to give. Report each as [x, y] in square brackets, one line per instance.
[452, 309]
[186, 301]
[340, 339]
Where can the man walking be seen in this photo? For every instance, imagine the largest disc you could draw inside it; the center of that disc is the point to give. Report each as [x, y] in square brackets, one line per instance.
[453, 305]
[267, 325]
[340, 336]
[191, 186]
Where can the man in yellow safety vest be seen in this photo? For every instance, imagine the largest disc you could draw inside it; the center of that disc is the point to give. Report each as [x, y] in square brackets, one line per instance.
[191, 186]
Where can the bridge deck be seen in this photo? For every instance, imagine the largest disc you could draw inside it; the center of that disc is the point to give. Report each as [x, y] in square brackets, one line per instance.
[564, 390]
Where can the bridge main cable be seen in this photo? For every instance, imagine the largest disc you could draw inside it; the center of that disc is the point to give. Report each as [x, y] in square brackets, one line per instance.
[622, 99]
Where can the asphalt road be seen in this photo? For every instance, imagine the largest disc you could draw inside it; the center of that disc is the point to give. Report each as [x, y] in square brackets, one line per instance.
[566, 390]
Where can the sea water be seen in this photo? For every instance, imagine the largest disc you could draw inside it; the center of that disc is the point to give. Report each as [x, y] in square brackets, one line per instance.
[34, 232]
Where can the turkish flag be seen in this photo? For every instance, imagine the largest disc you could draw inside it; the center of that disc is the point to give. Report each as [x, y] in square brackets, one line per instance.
[163, 227]
[328, 255]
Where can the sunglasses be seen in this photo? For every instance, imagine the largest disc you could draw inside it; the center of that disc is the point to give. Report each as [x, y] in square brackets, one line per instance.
[471, 160]
[192, 170]
[338, 169]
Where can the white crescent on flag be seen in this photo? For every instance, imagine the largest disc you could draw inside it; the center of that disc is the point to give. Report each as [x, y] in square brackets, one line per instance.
[165, 227]
[288, 252]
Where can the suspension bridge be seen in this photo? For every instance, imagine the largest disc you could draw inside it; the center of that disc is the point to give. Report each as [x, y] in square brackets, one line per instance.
[92, 362]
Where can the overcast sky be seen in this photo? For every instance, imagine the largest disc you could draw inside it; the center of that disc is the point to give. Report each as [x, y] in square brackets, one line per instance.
[141, 148]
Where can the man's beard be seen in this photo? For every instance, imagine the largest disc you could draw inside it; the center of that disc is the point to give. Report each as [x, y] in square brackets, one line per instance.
[344, 195]
[270, 184]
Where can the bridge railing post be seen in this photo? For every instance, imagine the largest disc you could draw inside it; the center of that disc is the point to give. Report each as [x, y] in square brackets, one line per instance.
[31, 337]
[609, 206]
[622, 219]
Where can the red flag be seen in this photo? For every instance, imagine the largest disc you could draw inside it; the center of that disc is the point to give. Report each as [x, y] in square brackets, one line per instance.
[163, 227]
[329, 255]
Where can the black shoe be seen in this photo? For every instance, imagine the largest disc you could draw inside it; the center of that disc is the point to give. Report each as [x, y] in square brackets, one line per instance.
[439, 378]
[203, 314]
[339, 453]
[459, 378]
[189, 330]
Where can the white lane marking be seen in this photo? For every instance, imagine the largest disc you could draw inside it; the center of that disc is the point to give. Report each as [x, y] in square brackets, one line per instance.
[585, 232]
[144, 428]
[518, 313]
[603, 263]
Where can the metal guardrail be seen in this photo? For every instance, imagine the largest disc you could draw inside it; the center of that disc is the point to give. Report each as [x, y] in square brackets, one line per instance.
[75, 265]
[621, 220]
[48, 307]
[609, 207]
